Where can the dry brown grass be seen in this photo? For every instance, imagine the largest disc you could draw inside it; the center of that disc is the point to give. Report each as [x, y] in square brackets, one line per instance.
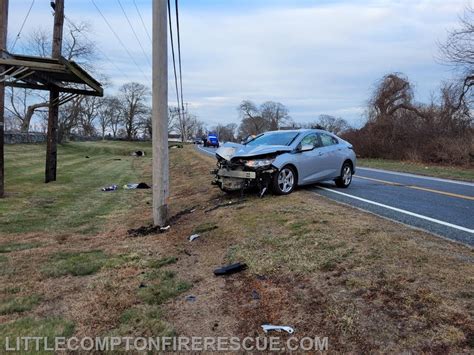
[326, 269]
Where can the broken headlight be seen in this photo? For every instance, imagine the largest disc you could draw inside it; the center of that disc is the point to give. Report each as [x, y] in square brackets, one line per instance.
[259, 163]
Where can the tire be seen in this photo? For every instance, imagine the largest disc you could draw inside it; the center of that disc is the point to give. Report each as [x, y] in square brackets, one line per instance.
[345, 179]
[284, 182]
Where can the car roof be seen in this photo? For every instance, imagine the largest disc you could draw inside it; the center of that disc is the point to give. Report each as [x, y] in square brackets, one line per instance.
[301, 130]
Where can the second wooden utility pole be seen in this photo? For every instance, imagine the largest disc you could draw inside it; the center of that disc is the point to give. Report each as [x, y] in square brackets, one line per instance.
[160, 113]
[51, 148]
[3, 46]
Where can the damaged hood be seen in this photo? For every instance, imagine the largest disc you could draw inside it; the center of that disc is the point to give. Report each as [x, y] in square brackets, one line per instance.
[234, 150]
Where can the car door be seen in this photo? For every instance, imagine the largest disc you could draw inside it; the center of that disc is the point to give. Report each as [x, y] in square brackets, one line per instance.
[333, 156]
[312, 164]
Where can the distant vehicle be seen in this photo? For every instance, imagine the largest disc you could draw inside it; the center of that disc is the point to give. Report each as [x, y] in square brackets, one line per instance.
[211, 141]
[198, 141]
[282, 160]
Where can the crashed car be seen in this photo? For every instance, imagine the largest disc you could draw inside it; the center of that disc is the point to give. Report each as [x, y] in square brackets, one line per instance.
[282, 160]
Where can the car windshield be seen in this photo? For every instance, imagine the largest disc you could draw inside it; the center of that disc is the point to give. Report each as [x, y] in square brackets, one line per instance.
[274, 138]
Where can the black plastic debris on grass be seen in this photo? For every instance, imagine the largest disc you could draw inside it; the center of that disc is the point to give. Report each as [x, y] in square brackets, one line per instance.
[225, 204]
[151, 229]
[182, 213]
[138, 153]
[230, 269]
[146, 230]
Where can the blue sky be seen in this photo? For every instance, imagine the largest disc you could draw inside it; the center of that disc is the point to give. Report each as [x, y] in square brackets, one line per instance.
[316, 57]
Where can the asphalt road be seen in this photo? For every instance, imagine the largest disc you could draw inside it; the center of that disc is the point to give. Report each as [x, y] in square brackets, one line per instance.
[440, 206]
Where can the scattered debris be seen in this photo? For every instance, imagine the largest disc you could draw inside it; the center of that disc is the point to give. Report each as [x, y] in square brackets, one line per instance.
[117, 159]
[147, 230]
[138, 153]
[227, 204]
[193, 237]
[87, 157]
[180, 214]
[191, 298]
[142, 285]
[140, 185]
[278, 328]
[110, 188]
[255, 295]
[261, 277]
[263, 192]
[230, 269]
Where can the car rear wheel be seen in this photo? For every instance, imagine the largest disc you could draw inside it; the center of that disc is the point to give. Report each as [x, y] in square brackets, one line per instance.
[284, 182]
[346, 176]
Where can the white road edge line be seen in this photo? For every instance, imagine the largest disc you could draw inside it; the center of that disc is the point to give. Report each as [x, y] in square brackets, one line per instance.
[417, 176]
[401, 211]
[206, 151]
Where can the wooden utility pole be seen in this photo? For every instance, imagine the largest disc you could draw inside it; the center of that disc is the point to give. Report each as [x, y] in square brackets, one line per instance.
[160, 113]
[51, 148]
[3, 46]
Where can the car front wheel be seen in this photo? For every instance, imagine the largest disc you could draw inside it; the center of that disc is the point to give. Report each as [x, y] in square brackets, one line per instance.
[284, 182]
[346, 176]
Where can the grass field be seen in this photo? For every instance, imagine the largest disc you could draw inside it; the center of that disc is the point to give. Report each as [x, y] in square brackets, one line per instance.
[74, 203]
[68, 266]
[441, 171]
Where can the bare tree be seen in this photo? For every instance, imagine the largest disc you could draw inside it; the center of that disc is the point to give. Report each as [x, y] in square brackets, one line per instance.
[90, 110]
[69, 117]
[333, 124]
[252, 121]
[226, 133]
[20, 108]
[458, 50]
[109, 115]
[275, 113]
[133, 97]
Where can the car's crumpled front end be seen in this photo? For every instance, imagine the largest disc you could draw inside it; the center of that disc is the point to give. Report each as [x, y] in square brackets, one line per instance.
[240, 167]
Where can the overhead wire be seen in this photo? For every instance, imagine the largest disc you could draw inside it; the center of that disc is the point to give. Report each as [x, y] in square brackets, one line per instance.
[134, 33]
[119, 40]
[174, 59]
[22, 25]
[179, 54]
[143, 22]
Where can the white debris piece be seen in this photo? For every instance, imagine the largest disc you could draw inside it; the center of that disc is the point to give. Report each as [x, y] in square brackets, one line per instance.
[268, 327]
[193, 237]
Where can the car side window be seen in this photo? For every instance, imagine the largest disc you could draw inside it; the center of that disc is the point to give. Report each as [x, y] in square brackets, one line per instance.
[327, 140]
[310, 139]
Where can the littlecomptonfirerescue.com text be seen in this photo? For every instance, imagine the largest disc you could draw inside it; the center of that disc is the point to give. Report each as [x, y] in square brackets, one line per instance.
[176, 344]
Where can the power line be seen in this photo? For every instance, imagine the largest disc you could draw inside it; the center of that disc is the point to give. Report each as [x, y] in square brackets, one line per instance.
[143, 22]
[179, 54]
[134, 33]
[96, 47]
[119, 40]
[173, 56]
[23, 25]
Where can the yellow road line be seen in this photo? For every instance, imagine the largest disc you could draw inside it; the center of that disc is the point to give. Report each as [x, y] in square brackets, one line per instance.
[418, 188]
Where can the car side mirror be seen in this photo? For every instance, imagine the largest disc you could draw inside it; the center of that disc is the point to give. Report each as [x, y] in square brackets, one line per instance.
[306, 147]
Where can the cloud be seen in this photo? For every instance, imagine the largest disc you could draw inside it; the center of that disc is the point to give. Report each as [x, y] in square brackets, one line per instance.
[313, 56]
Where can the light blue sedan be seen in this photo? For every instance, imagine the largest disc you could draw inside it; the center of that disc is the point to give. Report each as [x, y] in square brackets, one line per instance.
[282, 160]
